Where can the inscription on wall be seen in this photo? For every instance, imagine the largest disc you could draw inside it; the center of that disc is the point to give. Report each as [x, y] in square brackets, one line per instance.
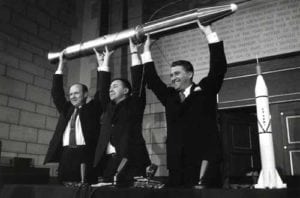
[263, 28]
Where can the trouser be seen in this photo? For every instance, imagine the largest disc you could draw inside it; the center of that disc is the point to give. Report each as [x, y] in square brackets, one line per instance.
[185, 177]
[188, 172]
[69, 165]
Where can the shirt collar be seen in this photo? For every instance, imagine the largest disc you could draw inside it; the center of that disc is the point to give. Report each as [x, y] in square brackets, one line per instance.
[187, 91]
[79, 107]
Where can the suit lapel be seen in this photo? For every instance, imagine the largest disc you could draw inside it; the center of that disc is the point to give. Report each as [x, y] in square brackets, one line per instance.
[195, 90]
[69, 113]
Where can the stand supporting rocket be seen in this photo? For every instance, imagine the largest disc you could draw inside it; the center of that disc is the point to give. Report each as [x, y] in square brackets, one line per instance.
[268, 177]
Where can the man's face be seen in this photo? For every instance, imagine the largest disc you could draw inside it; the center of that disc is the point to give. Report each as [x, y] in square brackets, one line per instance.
[180, 79]
[76, 95]
[117, 91]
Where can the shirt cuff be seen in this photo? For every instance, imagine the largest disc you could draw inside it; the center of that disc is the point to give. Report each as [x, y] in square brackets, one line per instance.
[103, 68]
[212, 38]
[135, 60]
[146, 57]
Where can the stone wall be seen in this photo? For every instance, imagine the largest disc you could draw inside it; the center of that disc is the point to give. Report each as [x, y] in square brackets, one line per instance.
[29, 29]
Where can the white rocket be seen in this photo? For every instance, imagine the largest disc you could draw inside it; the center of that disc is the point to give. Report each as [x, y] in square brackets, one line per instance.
[268, 177]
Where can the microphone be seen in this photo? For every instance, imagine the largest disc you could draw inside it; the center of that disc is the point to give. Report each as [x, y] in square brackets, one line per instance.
[151, 170]
[119, 169]
[82, 172]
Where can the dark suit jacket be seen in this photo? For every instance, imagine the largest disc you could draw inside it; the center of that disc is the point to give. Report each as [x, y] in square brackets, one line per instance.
[89, 115]
[122, 122]
[191, 125]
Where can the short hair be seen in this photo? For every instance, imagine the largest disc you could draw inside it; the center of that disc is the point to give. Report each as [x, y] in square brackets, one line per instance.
[83, 86]
[185, 64]
[125, 83]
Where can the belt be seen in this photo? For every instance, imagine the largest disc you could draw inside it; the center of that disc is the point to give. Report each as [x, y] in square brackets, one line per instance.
[112, 155]
[73, 146]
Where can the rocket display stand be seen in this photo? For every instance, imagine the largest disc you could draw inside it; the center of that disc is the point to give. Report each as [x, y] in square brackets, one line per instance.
[268, 177]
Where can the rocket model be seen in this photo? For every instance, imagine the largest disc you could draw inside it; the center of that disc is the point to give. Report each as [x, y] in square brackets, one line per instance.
[268, 177]
[154, 28]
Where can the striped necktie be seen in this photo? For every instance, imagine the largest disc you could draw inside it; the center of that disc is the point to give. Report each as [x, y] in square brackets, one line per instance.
[182, 96]
[72, 140]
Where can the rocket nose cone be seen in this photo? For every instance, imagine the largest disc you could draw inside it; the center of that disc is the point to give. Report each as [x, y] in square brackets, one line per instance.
[233, 7]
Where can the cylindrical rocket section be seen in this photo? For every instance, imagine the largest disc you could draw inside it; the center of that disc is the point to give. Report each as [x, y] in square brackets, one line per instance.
[264, 123]
[86, 48]
[205, 15]
[262, 106]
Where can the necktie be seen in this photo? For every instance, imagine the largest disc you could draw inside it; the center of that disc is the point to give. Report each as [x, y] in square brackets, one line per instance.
[182, 96]
[72, 140]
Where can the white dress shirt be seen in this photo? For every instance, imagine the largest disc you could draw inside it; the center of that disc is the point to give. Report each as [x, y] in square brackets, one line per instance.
[187, 91]
[110, 149]
[78, 133]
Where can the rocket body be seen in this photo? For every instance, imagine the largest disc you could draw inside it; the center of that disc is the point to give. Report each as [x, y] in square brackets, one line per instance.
[153, 28]
[262, 105]
[269, 177]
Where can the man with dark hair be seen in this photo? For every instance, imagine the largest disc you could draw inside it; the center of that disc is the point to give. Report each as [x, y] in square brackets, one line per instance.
[192, 133]
[125, 83]
[121, 141]
[74, 141]
[185, 64]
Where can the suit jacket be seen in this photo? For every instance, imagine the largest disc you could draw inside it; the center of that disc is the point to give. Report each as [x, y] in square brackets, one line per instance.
[191, 125]
[89, 115]
[122, 122]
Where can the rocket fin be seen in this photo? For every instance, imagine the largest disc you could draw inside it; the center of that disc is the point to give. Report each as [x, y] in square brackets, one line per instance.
[269, 179]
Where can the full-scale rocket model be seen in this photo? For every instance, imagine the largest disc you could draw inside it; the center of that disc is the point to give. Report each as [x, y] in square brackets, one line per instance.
[268, 177]
[155, 28]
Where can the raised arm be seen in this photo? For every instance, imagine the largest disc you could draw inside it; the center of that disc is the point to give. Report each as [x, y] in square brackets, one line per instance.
[153, 81]
[57, 91]
[137, 74]
[103, 76]
[218, 63]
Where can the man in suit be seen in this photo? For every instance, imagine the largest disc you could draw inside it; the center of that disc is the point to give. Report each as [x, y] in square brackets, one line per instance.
[74, 141]
[192, 134]
[121, 137]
